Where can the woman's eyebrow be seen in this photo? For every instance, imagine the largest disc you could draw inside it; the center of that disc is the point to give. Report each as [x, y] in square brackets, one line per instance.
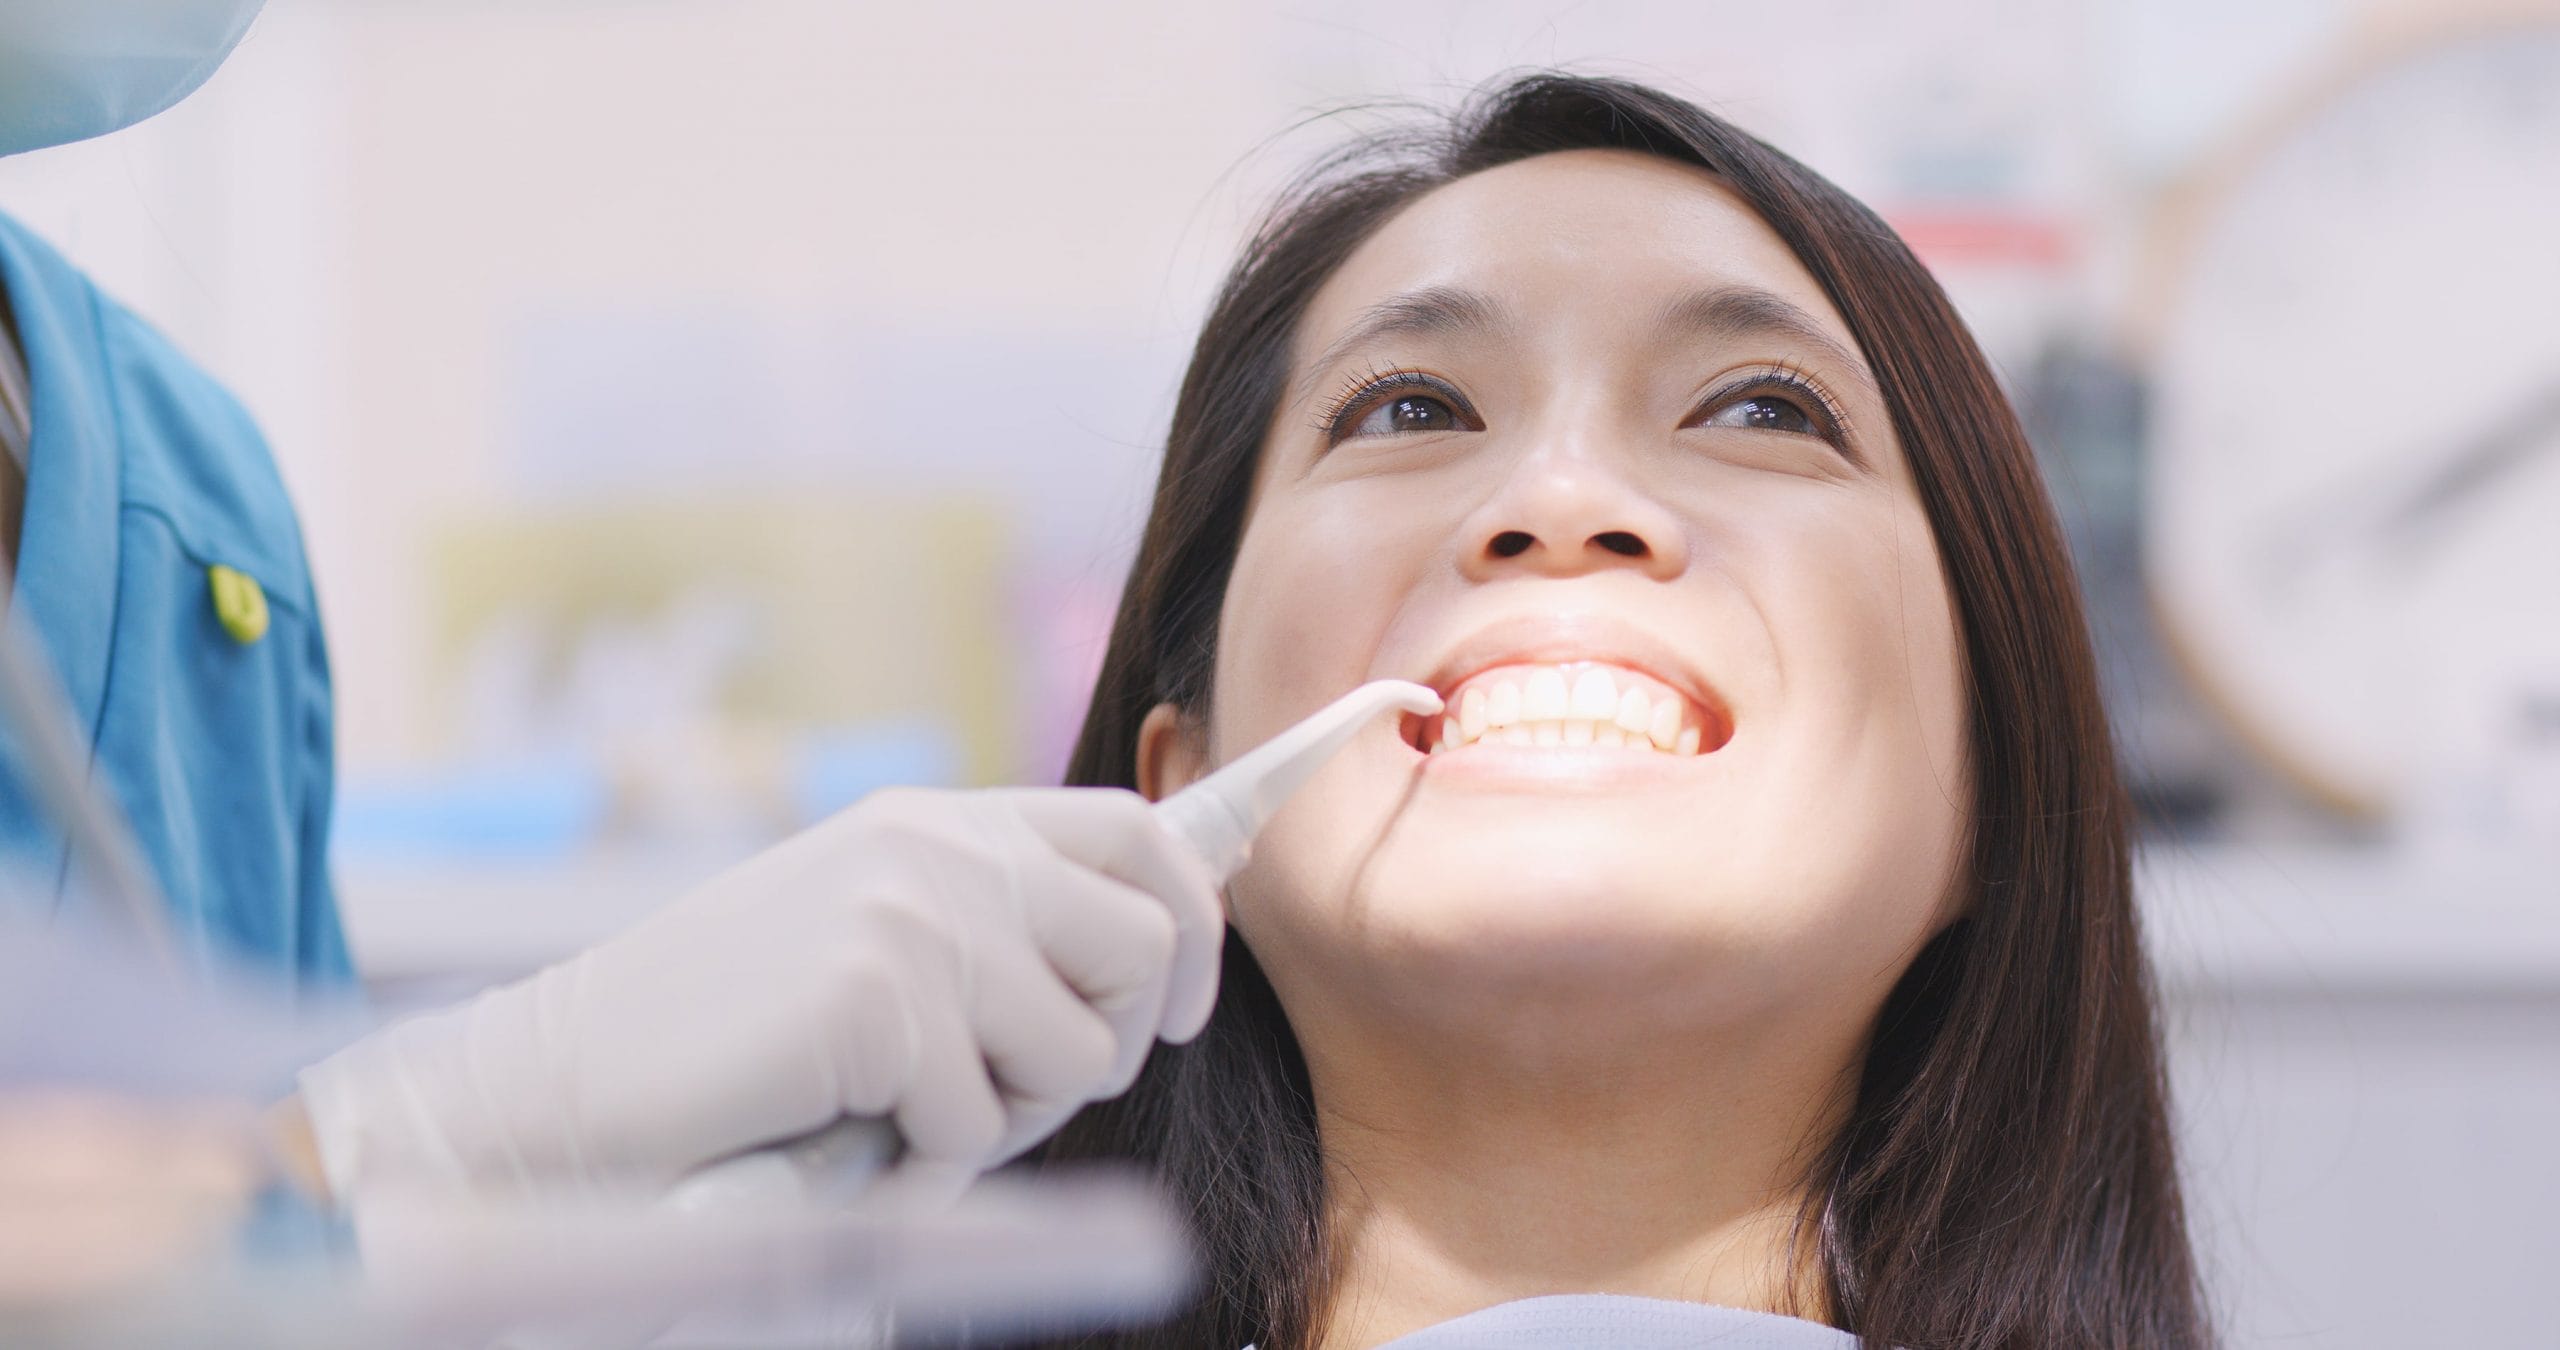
[1724, 313]
[1730, 312]
[1431, 311]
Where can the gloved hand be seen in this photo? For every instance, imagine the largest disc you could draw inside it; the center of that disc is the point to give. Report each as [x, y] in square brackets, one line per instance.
[974, 964]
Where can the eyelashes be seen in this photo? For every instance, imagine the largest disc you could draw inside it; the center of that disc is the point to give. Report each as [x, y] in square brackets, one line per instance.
[1343, 415]
[1784, 383]
[1774, 398]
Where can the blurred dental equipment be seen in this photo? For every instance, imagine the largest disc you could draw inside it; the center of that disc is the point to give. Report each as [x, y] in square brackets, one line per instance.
[83, 1009]
[130, 1149]
[73, 69]
[1217, 817]
[1014, 1257]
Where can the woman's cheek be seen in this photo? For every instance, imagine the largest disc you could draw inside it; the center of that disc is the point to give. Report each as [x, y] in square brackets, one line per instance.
[1937, 656]
[1316, 579]
[1895, 622]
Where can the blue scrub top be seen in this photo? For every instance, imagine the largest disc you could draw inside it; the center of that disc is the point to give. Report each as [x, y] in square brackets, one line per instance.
[144, 476]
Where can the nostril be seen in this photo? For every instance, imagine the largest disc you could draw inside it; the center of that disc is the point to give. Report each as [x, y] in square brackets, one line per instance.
[1620, 542]
[1511, 543]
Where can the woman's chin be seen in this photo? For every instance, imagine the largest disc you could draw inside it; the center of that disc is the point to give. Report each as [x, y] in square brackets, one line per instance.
[1511, 980]
[1581, 863]
[1510, 915]
[1471, 907]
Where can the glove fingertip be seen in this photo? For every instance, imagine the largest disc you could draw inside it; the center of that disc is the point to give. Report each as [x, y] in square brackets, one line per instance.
[1186, 1013]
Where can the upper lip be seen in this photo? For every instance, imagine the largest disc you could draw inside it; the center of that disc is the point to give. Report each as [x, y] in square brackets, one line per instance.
[1551, 639]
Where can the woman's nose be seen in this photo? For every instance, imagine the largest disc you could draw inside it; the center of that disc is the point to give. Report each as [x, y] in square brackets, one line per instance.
[1563, 514]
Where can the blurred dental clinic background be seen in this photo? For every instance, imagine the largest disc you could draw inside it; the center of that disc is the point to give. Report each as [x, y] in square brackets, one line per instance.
[702, 413]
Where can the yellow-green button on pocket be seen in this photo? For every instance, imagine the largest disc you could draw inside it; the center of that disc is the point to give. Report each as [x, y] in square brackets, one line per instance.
[239, 603]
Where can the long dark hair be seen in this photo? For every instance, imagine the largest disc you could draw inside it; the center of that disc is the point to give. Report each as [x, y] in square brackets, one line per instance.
[2005, 1177]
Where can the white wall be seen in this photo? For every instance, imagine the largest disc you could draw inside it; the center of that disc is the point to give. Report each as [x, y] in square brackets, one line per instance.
[2366, 1066]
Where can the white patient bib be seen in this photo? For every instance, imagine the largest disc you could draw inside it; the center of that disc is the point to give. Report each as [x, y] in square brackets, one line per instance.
[1621, 1322]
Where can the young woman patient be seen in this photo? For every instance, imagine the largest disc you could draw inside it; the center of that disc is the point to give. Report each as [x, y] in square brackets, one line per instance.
[1752, 945]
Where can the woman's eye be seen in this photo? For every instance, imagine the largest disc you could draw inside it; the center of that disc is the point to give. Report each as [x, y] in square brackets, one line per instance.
[1405, 412]
[1763, 412]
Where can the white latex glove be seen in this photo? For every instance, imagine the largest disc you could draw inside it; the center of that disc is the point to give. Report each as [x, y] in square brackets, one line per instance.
[974, 964]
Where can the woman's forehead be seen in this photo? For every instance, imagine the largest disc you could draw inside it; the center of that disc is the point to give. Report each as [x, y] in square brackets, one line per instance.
[1589, 236]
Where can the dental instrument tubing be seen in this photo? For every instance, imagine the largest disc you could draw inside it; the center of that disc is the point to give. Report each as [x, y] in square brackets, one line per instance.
[1217, 817]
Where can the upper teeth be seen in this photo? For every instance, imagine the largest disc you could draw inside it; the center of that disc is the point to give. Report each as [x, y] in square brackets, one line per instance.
[1577, 704]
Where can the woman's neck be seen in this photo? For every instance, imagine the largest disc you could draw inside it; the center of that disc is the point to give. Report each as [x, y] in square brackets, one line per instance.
[1458, 1180]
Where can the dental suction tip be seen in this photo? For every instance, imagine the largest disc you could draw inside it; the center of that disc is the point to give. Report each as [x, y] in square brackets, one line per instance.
[1220, 814]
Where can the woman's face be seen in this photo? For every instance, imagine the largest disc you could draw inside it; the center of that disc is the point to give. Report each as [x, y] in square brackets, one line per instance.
[1578, 443]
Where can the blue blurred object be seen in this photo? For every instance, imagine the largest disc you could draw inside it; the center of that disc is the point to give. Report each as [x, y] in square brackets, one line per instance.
[534, 809]
[835, 769]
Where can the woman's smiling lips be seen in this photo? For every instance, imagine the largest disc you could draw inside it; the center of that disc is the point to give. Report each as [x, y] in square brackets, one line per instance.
[1569, 703]
[1567, 698]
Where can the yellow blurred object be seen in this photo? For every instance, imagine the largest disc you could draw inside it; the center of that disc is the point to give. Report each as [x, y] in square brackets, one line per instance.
[238, 602]
[819, 611]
